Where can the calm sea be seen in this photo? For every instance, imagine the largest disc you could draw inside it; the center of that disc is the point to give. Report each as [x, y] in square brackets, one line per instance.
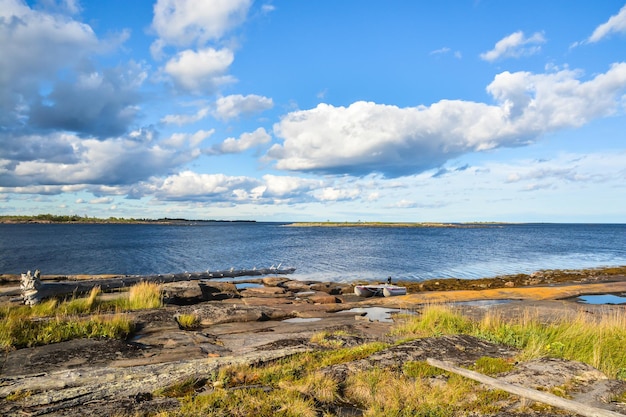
[329, 253]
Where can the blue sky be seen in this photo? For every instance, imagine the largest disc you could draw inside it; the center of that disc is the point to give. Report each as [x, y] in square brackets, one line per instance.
[314, 110]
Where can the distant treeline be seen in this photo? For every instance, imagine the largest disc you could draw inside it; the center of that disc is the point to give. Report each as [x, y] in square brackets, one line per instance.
[53, 218]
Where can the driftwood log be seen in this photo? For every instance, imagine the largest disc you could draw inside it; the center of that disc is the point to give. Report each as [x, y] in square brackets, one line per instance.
[532, 394]
[34, 290]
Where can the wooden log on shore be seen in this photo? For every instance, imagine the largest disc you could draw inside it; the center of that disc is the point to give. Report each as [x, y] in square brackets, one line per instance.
[532, 394]
[34, 290]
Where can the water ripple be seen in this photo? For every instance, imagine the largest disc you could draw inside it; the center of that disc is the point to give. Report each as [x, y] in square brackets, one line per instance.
[333, 254]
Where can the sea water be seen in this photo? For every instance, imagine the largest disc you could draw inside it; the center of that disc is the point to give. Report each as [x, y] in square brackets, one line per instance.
[341, 254]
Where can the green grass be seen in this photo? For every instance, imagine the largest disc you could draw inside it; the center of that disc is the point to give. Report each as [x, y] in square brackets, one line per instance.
[298, 385]
[16, 332]
[435, 320]
[54, 321]
[381, 392]
[492, 366]
[597, 340]
[145, 295]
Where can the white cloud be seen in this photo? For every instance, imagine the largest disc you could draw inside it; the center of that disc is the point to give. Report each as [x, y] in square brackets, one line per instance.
[245, 142]
[286, 185]
[367, 137]
[64, 159]
[192, 140]
[185, 119]
[35, 45]
[440, 51]
[64, 6]
[202, 71]
[101, 200]
[233, 106]
[189, 185]
[43, 189]
[564, 169]
[268, 8]
[227, 190]
[445, 51]
[615, 24]
[514, 46]
[337, 194]
[184, 23]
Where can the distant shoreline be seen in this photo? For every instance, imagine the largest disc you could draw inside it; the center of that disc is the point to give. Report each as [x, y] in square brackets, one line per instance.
[53, 219]
[400, 224]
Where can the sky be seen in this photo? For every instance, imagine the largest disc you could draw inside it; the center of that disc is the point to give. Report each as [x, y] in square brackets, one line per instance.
[302, 110]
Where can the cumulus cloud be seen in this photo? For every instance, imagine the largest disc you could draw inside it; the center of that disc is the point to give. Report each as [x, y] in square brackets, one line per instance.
[367, 137]
[224, 189]
[202, 71]
[185, 119]
[192, 140]
[337, 194]
[192, 186]
[514, 46]
[75, 160]
[187, 22]
[285, 187]
[35, 45]
[245, 142]
[615, 24]
[101, 104]
[233, 106]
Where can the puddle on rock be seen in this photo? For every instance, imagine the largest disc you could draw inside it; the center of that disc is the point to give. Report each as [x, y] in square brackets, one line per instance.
[244, 285]
[374, 313]
[301, 320]
[481, 303]
[602, 299]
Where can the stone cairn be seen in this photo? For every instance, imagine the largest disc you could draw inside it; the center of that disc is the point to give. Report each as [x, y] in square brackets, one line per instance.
[30, 286]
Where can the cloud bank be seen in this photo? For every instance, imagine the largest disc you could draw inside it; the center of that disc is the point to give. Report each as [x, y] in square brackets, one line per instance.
[366, 137]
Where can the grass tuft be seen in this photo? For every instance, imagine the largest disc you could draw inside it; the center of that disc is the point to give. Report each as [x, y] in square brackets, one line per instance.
[145, 295]
[188, 321]
[435, 320]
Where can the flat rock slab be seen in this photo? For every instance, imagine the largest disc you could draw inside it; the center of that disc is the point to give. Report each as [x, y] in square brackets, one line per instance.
[68, 355]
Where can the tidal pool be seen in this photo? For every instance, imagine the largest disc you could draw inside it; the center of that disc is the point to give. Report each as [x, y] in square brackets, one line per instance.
[374, 313]
[602, 299]
[244, 285]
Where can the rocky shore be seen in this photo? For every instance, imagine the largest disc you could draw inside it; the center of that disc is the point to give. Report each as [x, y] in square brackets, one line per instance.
[264, 319]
